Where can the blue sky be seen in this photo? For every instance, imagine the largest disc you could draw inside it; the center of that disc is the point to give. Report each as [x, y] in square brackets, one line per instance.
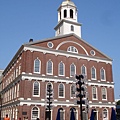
[21, 20]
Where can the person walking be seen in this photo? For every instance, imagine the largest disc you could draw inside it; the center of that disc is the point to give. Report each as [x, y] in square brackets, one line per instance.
[6, 118]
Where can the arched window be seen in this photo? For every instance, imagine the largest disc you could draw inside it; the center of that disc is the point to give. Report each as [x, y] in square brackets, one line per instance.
[93, 73]
[83, 70]
[105, 114]
[72, 49]
[102, 74]
[104, 93]
[73, 89]
[72, 28]
[35, 113]
[36, 66]
[94, 92]
[72, 70]
[61, 90]
[71, 13]
[65, 13]
[50, 67]
[36, 88]
[75, 113]
[61, 68]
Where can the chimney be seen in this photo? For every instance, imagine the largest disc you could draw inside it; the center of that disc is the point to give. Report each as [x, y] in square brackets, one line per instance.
[31, 40]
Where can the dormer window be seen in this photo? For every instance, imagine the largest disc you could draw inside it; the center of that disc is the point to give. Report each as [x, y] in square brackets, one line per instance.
[72, 49]
[71, 13]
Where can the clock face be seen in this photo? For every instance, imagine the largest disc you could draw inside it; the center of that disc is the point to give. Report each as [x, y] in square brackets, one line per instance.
[92, 52]
[50, 44]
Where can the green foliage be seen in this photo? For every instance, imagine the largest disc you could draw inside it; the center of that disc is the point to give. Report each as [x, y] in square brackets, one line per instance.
[118, 102]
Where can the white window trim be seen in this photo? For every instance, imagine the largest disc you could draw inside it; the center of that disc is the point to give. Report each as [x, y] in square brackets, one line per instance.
[47, 68]
[104, 75]
[63, 91]
[85, 70]
[106, 93]
[63, 69]
[95, 74]
[39, 67]
[70, 69]
[96, 94]
[39, 89]
[38, 112]
[107, 114]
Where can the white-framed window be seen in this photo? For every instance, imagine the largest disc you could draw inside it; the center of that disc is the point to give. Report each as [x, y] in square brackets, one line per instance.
[36, 89]
[94, 93]
[104, 93]
[83, 70]
[61, 90]
[72, 49]
[105, 114]
[102, 74]
[35, 113]
[93, 73]
[61, 69]
[49, 67]
[72, 70]
[72, 90]
[37, 63]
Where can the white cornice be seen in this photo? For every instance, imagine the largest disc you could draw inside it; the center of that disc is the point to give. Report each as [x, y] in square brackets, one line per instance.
[40, 49]
[65, 80]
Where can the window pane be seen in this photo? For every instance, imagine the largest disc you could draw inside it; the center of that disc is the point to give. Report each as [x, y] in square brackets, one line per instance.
[36, 65]
[61, 90]
[61, 68]
[102, 74]
[83, 70]
[94, 92]
[34, 112]
[72, 91]
[49, 67]
[93, 73]
[103, 93]
[72, 68]
[36, 88]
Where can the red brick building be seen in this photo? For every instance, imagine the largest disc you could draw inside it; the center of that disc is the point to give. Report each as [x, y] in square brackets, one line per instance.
[56, 61]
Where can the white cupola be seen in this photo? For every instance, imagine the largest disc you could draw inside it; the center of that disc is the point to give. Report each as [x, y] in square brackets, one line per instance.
[67, 19]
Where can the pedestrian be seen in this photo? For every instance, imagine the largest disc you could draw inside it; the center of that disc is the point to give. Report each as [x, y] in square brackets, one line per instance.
[6, 118]
[37, 119]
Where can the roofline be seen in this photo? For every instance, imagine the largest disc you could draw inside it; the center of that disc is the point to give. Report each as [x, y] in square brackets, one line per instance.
[13, 59]
[67, 35]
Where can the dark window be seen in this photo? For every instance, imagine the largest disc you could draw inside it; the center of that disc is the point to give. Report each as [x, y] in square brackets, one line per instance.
[72, 28]
[65, 13]
[71, 13]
